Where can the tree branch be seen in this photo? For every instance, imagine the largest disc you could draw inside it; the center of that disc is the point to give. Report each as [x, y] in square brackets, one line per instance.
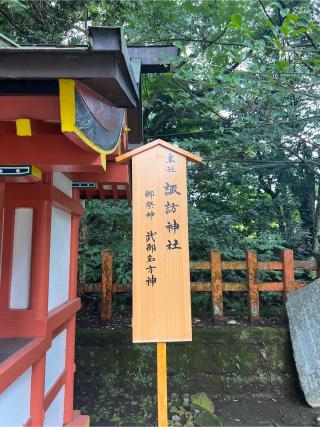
[265, 11]
[199, 100]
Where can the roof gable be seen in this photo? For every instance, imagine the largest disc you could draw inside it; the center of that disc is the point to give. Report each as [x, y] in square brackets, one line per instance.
[189, 156]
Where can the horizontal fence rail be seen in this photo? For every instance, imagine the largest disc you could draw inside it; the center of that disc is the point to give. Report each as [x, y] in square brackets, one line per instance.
[216, 286]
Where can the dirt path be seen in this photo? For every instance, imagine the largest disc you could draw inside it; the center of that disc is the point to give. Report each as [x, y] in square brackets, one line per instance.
[265, 409]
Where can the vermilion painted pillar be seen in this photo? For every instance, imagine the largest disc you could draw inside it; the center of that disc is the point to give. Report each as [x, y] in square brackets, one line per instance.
[70, 369]
[39, 300]
[41, 259]
[37, 393]
[1, 219]
[71, 326]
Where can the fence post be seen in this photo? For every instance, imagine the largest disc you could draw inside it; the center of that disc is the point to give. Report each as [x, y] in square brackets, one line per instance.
[106, 286]
[287, 272]
[216, 284]
[253, 286]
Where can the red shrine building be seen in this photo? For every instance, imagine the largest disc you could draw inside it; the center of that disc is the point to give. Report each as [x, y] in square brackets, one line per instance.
[65, 114]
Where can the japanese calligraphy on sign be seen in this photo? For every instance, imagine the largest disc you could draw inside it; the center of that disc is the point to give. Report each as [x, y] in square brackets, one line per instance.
[161, 282]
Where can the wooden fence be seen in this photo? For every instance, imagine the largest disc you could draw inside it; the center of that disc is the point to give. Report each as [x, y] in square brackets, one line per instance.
[217, 286]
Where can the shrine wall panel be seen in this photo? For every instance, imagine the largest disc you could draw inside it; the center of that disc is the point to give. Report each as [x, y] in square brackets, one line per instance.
[63, 183]
[59, 258]
[55, 360]
[1, 221]
[15, 401]
[21, 258]
[54, 414]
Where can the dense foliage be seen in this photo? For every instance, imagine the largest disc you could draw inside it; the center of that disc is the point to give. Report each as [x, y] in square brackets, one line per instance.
[244, 93]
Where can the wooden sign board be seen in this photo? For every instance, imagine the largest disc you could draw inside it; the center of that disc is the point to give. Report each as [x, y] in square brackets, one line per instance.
[161, 278]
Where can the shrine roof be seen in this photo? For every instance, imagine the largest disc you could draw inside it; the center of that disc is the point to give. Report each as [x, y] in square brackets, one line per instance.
[106, 65]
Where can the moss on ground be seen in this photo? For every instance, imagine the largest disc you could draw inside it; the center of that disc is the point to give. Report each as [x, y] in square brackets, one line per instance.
[116, 383]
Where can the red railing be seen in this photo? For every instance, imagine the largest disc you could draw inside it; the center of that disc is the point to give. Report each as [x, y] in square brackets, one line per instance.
[287, 265]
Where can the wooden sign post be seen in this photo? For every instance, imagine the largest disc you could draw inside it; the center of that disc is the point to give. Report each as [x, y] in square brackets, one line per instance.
[161, 283]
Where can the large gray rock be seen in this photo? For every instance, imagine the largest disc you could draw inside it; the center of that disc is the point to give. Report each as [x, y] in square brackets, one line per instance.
[303, 308]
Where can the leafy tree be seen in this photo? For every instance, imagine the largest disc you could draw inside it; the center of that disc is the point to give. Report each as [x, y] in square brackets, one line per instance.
[244, 94]
[105, 225]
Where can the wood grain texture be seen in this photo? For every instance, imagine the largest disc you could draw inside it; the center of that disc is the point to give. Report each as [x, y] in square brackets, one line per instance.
[106, 286]
[162, 385]
[161, 310]
[253, 286]
[288, 271]
[270, 265]
[217, 288]
[233, 265]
